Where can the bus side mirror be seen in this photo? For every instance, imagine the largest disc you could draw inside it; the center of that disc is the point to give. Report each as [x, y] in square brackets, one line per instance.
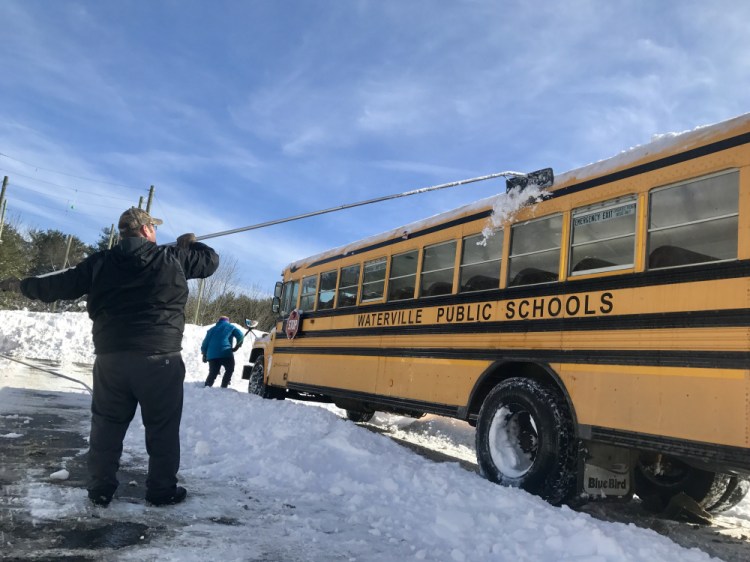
[542, 178]
[276, 305]
[250, 324]
[277, 289]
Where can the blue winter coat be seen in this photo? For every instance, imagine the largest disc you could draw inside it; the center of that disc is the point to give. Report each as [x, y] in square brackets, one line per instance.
[218, 341]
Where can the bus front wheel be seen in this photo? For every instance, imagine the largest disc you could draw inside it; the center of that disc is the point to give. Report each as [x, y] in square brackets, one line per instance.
[525, 439]
[257, 385]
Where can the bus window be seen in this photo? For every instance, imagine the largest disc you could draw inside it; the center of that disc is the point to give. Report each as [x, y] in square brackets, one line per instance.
[603, 237]
[480, 262]
[327, 289]
[694, 222]
[309, 288]
[373, 280]
[403, 277]
[289, 297]
[437, 269]
[348, 286]
[535, 251]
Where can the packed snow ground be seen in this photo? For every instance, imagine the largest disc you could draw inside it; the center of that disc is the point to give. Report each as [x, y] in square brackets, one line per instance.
[303, 481]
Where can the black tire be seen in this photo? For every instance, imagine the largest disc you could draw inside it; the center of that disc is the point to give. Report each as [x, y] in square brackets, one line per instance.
[525, 439]
[359, 417]
[659, 478]
[735, 492]
[256, 384]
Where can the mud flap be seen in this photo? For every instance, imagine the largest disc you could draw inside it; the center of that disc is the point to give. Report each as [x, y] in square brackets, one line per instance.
[606, 472]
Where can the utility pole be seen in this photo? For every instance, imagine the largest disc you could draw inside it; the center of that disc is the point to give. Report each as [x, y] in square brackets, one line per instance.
[65, 264]
[67, 251]
[5, 185]
[111, 236]
[2, 219]
[198, 304]
[140, 202]
[2, 205]
[150, 199]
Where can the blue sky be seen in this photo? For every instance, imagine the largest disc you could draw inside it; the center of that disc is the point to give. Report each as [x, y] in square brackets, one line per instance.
[241, 112]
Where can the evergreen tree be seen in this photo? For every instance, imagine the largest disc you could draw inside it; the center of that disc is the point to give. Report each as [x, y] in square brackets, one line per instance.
[48, 249]
[103, 242]
[14, 254]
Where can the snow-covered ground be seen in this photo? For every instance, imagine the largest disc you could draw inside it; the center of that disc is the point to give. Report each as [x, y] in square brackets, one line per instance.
[301, 481]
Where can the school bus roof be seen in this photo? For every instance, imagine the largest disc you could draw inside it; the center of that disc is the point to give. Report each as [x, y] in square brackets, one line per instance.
[662, 146]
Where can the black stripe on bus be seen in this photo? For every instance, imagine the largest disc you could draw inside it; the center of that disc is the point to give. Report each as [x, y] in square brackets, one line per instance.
[650, 358]
[692, 319]
[654, 278]
[388, 401]
[734, 457]
[699, 152]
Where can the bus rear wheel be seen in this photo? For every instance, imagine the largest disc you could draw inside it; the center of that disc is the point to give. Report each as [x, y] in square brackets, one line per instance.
[359, 417]
[525, 439]
[659, 478]
[736, 491]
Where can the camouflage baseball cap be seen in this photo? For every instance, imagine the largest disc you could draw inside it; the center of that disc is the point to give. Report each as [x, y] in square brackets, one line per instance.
[134, 218]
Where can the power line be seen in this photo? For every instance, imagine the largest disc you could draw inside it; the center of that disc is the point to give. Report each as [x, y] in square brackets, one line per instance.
[14, 173]
[55, 196]
[66, 174]
[62, 197]
[57, 209]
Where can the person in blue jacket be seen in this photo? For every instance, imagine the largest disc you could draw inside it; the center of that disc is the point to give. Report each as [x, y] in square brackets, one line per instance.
[218, 350]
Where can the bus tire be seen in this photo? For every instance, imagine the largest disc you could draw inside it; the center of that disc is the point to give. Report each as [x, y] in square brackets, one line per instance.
[736, 491]
[659, 478]
[525, 439]
[256, 384]
[359, 417]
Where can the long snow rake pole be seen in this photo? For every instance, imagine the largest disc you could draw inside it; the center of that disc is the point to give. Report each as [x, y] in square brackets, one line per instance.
[543, 178]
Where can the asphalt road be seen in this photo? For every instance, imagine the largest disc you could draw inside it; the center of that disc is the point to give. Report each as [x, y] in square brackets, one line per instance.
[51, 427]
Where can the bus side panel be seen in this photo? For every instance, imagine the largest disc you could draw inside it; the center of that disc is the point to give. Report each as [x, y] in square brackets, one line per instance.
[439, 381]
[348, 372]
[708, 405]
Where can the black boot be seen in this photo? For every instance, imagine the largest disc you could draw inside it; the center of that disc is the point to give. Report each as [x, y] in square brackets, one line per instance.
[178, 496]
[100, 497]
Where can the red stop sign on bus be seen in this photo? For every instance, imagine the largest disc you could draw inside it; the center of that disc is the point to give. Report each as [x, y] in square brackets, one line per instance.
[292, 324]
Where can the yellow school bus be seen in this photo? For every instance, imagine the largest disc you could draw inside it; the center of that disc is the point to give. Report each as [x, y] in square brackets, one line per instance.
[598, 337]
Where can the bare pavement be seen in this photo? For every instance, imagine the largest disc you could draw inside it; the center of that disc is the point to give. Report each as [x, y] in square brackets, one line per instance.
[43, 430]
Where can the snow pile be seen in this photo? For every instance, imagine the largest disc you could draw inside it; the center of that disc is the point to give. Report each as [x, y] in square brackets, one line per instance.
[65, 338]
[318, 487]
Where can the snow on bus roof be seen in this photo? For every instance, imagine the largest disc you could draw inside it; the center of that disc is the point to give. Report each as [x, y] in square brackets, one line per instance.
[505, 205]
[666, 143]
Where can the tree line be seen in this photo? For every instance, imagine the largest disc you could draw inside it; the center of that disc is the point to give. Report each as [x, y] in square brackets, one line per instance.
[29, 252]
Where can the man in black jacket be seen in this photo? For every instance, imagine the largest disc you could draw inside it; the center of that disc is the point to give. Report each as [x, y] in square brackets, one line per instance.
[136, 299]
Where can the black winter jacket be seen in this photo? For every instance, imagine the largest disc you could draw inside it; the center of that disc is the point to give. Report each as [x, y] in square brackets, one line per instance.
[136, 293]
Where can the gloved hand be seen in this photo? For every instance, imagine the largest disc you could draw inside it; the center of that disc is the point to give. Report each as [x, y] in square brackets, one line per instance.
[186, 240]
[205, 360]
[236, 347]
[11, 284]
